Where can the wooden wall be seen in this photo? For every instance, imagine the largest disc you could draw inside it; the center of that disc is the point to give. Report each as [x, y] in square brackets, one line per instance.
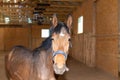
[16, 36]
[1, 38]
[84, 44]
[101, 21]
[28, 36]
[107, 35]
[36, 35]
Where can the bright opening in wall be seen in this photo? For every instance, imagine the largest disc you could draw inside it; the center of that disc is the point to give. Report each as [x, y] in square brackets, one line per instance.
[80, 25]
[6, 0]
[15, 1]
[45, 33]
[29, 20]
[7, 20]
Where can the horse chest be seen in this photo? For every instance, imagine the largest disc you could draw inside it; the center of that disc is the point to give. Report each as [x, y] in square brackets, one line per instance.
[43, 73]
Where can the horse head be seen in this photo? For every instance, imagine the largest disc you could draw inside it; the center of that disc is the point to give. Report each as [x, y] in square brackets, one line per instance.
[60, 43]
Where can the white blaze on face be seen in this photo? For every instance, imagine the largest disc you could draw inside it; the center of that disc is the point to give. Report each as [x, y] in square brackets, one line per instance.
[62, 34]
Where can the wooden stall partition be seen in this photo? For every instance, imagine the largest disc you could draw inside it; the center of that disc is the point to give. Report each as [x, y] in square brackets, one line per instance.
[107, 35]
[77, 47]
[29, 37]
[36, 35]
[101, 22]
[9, 37]
[1, 39]
[89, 49]
[106, 54]
[83, 44]
[16, 36]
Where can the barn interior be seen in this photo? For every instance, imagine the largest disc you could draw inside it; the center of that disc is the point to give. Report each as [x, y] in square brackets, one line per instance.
[95, 52]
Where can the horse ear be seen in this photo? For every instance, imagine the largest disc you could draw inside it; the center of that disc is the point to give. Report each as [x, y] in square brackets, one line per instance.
[54, 20]
[69, 21]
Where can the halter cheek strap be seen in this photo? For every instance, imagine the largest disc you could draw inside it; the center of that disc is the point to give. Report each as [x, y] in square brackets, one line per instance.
[60, 52]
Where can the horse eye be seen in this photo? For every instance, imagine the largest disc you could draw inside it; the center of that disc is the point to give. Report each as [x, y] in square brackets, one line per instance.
[52, 39]
[69, 39]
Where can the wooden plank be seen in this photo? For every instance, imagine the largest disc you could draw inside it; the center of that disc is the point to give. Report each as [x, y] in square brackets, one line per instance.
[68, 0]
[16, 36]
[1, 38]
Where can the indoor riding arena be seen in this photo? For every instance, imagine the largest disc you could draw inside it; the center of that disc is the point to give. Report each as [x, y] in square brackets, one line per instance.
[62, 39]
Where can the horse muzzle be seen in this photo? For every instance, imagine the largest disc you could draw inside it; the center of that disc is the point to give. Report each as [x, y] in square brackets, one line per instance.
[60, 71]
[59, 66]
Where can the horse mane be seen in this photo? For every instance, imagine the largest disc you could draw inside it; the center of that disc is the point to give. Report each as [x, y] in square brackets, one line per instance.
[46, 44]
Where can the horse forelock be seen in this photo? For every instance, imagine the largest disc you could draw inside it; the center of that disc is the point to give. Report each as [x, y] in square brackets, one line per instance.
[59, 27]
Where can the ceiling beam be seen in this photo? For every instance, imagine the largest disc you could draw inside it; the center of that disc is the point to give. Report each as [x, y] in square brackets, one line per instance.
[68, 0]
[62, 6]
[58, 9]
[56, 13]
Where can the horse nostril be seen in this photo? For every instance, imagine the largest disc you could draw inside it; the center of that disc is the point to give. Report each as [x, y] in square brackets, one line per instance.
[55, 64]
[60, 70]
[59, 66]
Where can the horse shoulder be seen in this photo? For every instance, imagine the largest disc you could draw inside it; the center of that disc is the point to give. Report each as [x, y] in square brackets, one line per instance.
[18, 63]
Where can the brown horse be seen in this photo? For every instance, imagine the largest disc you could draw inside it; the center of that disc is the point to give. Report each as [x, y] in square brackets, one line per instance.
[41, 63]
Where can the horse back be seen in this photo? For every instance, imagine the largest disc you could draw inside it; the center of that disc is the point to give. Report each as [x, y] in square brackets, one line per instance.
[18, 63]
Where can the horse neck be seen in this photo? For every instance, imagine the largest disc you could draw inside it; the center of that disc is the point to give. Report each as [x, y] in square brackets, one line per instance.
[43, 56]
[43, 61]
[49, 54]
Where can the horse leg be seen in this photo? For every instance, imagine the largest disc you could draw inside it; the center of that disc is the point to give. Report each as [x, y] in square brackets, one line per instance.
[10, 79]
[52, 77]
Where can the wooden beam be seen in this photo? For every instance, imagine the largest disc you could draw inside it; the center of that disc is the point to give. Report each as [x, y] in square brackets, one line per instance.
[62, 15]
[62, 6]
[58, 9]
[23, 4]
[10, 25]
[68, 0]
[56, 13]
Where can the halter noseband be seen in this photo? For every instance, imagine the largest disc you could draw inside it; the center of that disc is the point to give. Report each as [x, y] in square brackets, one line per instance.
[60, 52]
